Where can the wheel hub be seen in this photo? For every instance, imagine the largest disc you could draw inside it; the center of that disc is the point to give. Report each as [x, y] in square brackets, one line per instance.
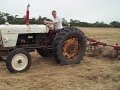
[19, 61]
[71, 48]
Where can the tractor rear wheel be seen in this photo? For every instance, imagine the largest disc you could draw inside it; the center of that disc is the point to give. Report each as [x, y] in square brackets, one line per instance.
[69, 46]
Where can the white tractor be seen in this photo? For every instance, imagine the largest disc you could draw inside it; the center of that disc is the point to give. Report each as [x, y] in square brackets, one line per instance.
[16, 41]
[68, 45]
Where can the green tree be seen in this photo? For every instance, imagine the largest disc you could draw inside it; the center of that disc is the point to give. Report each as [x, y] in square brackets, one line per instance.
[100, 24]
[115, 24]
[10, 18]
[32, 21]
[64, 22]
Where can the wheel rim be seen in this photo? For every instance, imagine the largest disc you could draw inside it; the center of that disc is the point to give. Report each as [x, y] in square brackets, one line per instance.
[71, 48]
[19, 61]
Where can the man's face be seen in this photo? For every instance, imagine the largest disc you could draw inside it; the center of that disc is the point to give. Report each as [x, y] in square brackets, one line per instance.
[54, 14]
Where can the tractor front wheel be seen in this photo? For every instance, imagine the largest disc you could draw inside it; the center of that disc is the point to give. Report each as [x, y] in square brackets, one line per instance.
[18, 60]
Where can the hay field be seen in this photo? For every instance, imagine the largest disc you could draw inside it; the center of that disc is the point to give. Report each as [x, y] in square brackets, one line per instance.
[92, 73]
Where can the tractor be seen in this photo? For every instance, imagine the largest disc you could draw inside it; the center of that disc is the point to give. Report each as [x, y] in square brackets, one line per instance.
[67, 45]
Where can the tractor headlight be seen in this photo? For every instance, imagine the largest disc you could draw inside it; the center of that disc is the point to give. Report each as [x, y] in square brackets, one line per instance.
[5, 39]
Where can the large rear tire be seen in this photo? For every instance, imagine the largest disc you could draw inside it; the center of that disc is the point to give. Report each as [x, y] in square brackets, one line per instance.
[18, 60]
[69, 46]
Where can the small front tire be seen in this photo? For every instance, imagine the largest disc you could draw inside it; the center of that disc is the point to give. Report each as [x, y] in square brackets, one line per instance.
[18, 60]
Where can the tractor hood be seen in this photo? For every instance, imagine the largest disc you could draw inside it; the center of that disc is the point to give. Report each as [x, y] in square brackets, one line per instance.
[19, 29]
[9, 33]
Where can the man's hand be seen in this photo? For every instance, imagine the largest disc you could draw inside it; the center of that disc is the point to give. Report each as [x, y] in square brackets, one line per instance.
[49, 22]
[45, 21]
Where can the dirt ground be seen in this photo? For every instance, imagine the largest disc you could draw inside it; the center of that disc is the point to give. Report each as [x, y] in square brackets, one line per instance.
[93, 73]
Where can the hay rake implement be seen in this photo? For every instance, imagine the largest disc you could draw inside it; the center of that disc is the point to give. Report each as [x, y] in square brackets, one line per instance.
[97, 47]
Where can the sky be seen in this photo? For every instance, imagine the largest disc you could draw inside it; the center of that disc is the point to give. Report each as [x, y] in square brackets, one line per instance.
[83, 10]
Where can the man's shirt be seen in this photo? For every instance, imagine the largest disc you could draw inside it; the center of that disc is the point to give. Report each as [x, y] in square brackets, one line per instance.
[58, 23]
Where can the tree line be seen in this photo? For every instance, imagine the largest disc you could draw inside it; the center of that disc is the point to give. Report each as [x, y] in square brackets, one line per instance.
[15, 20]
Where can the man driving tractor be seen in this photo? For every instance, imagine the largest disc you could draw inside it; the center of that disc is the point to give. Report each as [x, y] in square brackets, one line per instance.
[56, 24]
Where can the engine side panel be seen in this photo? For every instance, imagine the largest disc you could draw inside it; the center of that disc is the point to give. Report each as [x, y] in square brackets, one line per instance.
[9, 40]
[40, 39]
